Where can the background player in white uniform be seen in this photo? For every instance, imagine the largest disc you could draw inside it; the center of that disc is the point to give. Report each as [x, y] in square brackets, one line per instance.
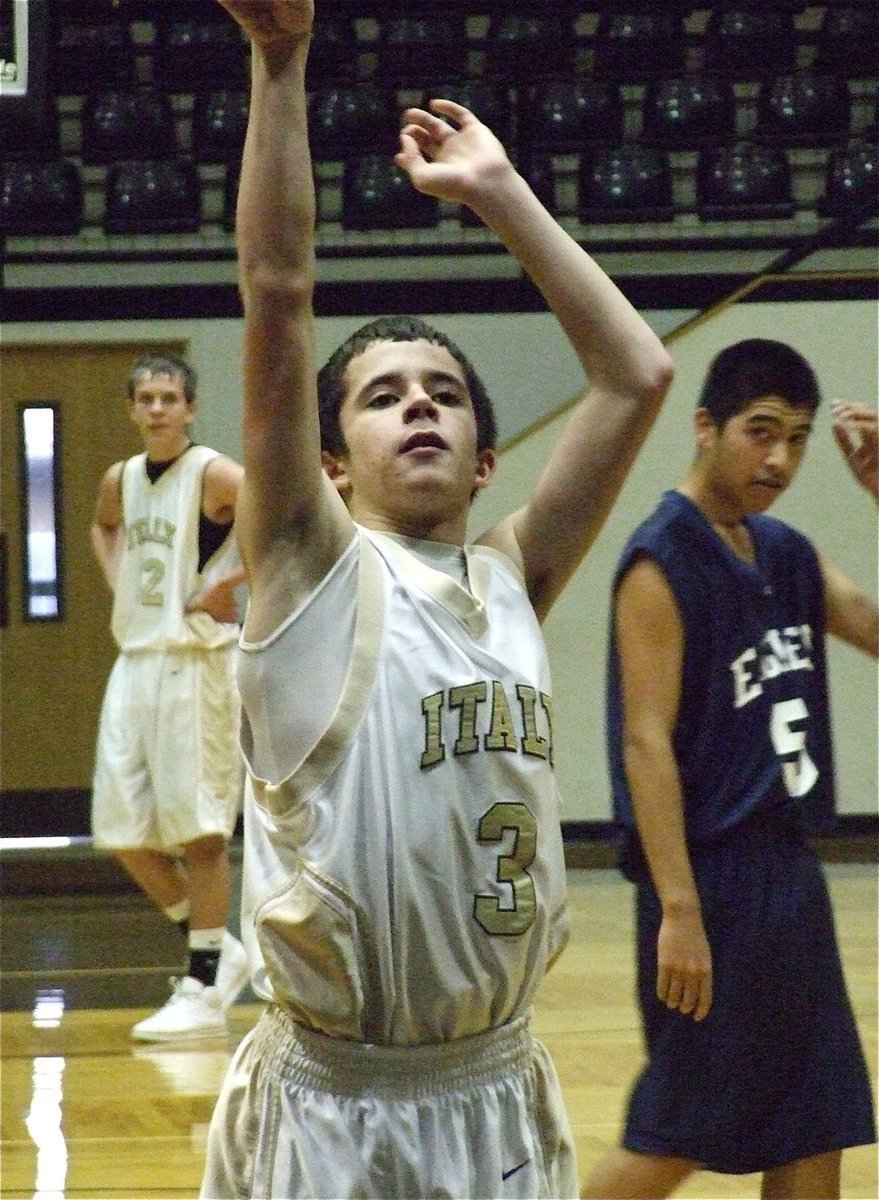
[404, 875]
[167, 779]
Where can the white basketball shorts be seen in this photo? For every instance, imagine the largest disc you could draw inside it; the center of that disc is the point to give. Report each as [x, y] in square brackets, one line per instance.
[303, 1115]
[168, 766]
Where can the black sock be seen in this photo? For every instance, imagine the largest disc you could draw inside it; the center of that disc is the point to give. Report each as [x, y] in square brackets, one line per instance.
[203, 966]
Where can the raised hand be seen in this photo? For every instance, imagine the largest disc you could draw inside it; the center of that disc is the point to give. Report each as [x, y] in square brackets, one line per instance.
[856, 429]
[457, 161]
[268, 21]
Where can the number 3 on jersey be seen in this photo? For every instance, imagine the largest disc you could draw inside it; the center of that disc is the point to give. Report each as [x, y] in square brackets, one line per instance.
[512, 869]
[799, 772]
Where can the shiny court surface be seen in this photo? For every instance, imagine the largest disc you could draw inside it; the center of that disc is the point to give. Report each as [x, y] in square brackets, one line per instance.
[89, 1115]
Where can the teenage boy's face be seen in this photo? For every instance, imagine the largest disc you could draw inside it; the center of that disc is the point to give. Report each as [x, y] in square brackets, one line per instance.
[160, 410]
[756, 455]
[410, 432]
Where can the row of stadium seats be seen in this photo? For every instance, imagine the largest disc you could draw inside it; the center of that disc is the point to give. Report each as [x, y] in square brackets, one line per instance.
[632, 182]
[563, 115]
[191, 46]
[617, 111]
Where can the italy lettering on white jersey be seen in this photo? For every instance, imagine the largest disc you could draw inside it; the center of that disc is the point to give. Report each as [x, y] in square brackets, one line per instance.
[406, 881]
[158, 571]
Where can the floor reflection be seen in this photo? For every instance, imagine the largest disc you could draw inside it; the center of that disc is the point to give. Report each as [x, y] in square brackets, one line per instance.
[185, 1071]
[43, 1122]
[43, 1119]
[48, 1008]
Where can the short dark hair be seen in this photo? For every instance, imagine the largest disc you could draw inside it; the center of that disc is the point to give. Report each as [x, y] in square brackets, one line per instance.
[753, 368]
[331, 377]
[163, 364]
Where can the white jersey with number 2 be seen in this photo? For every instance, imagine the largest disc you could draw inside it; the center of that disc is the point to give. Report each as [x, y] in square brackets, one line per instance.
[159, 569]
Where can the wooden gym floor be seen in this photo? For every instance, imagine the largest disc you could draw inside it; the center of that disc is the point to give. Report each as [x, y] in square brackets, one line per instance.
[89, 1115]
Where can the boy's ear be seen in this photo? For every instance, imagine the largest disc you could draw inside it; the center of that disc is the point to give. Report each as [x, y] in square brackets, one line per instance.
[337, 472]
[705, 430]
[486, 462]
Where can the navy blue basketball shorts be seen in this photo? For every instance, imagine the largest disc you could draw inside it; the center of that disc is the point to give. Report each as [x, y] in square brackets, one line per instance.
[776, 1071]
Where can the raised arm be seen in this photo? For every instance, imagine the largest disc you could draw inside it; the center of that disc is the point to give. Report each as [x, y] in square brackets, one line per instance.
[650, 645]
[287, 512]
[628, 369]
[852, 612]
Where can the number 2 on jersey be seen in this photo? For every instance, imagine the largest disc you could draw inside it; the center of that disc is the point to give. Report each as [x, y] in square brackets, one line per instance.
[150, 589]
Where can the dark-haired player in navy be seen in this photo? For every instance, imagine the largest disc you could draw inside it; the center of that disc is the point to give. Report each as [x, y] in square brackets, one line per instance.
[721, 759]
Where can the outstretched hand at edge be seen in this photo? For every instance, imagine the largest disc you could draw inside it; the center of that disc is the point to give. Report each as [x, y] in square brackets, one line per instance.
[856, 430]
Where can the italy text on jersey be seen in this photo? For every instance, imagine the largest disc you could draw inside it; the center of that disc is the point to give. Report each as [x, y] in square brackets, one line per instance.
[504, 731]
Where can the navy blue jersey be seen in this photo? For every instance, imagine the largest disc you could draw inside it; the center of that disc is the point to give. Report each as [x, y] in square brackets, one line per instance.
[753, 730]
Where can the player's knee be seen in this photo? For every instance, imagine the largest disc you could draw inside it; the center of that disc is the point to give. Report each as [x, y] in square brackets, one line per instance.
[205, 850]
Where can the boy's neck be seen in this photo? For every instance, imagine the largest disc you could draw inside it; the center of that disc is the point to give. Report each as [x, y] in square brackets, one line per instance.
[453, 533]
[161, 452]
[727, 521]
[720, 510]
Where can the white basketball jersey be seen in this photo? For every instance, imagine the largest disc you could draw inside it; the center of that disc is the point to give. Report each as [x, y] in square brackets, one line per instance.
[405, 883]
[158, 571]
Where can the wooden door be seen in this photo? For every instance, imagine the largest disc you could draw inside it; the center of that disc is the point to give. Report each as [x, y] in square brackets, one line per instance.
[54, 672]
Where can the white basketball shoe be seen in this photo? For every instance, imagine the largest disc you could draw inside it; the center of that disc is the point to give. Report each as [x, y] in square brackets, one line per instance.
[193, 1011]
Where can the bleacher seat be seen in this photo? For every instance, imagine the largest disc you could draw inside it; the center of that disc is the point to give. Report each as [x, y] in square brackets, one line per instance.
[743, 181]
[154, 79]
[334, 56]
[519, 47]
[634, 44]
[412, 49]
[126, 124]
[199, 52]
[749, 41]
[159, 196]
[84, 56]
[377, 195]
[803, 109]
[219, 125]
[631, 182]
[351, 119]
[40, 198]
[565, 115]
[31, 135]
[848, 41]
[689, 111]
[851, 180]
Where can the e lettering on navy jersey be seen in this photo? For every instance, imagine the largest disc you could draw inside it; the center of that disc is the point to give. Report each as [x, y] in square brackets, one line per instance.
[778, 651]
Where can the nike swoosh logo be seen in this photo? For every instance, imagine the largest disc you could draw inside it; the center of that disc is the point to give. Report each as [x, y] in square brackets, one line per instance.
[505, 1175]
